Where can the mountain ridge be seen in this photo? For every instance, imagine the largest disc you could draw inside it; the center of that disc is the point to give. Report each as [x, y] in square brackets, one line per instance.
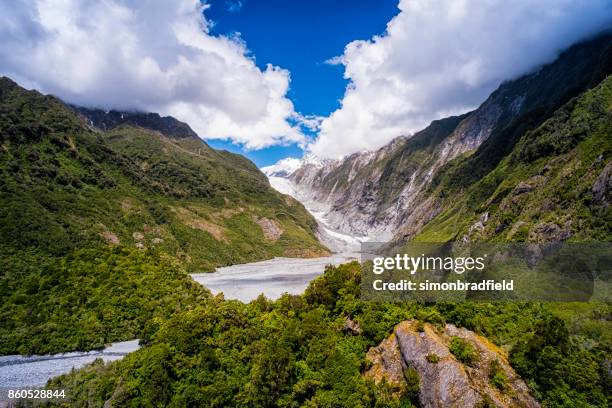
[375, 194]
[108, 120]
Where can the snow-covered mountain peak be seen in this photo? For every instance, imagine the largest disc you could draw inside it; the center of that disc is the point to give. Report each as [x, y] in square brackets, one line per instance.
[282, 168]
[286, 167]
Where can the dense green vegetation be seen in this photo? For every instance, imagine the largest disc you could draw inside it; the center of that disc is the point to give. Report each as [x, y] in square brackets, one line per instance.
[88, 298]
[566, 372]
[296, 352]
[497, 376]
[463, 350]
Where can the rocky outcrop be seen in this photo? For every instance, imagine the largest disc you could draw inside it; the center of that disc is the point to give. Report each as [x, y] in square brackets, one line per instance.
[444, 380]
[550, 232]
[522, 188]
[387, 364]
[351, 326]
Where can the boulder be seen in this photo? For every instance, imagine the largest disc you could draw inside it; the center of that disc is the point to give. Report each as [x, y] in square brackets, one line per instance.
[522, 188]
[111, 238]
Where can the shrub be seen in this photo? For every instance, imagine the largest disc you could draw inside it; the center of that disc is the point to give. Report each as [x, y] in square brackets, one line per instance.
[486, 402]
[463, 350]
[432, 358]
[497, 376]
[420, 327]
[413, 381]
[431, 316]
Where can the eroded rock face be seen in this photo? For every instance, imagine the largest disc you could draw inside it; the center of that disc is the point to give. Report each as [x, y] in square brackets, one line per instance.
[270, 228]
[602, 188]
[444, 380]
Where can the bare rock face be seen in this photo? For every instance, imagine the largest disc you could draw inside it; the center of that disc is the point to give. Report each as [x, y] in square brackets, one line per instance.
[387, 363]
[602, 188]
[385, 194]
[444, 380]
[270, 228]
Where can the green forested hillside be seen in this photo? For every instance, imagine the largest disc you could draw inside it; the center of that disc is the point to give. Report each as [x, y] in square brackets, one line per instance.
[554, 184]
[69, 191]
[65, 186]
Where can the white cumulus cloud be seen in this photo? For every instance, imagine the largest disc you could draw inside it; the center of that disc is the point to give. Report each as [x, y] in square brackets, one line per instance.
[442, 57]
[153, 55]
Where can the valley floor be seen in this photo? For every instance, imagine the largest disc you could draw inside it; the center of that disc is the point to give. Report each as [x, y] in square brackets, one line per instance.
[271, 278]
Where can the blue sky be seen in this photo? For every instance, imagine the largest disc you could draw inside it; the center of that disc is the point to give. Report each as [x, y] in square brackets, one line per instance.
[300, 36]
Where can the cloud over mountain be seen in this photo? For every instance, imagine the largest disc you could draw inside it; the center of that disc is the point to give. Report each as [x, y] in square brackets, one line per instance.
[436, 58]
[148, 55]
[442, 57]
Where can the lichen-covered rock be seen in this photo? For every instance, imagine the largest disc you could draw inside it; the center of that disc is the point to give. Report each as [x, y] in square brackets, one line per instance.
[444, 380]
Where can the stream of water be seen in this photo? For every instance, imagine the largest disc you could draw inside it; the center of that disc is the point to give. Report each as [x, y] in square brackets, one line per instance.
[20, 372]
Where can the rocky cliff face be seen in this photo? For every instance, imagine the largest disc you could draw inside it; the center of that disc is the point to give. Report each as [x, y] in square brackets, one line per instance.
[443, 379]
[386, 194]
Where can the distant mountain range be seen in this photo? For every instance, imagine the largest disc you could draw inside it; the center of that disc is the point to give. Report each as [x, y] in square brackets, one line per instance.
[470, 174]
